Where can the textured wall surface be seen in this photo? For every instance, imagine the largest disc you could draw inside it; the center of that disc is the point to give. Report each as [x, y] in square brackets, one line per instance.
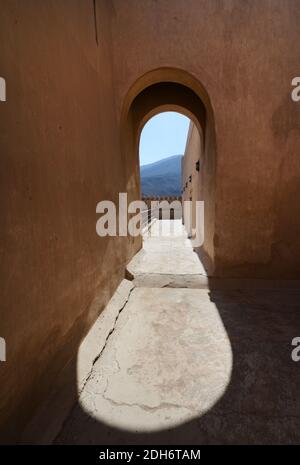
[192, 182]
[69, 66]
[245, 54]
[60, 156]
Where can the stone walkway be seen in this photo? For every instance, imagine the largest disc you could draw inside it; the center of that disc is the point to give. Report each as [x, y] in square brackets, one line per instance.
[186, 365]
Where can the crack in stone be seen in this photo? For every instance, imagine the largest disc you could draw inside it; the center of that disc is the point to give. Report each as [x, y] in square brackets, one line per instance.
[147, 408]
[92, 367]
[106, 341]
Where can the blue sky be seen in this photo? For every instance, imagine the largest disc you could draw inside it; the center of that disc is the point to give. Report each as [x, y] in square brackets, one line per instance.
[163, 136]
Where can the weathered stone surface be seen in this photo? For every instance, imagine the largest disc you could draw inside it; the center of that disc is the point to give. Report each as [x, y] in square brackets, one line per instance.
[193, 366]
[93, 344]
[166, 251]
[168, 361]
[48, 421]
[193, 281]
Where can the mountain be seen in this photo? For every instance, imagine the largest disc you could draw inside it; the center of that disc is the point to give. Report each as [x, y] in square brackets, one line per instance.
[162, 177]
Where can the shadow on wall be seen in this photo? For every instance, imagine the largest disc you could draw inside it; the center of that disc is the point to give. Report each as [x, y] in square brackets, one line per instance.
[261, 404]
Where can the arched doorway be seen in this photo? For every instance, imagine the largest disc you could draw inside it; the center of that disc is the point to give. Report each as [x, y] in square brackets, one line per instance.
[168, 89]
[161, 155]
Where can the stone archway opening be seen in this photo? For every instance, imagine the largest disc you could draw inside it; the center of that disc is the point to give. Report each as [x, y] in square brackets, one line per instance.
[169, 89]
[143, 354]
[161, 149]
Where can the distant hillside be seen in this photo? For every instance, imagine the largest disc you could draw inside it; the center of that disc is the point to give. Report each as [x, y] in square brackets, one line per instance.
[162, 177]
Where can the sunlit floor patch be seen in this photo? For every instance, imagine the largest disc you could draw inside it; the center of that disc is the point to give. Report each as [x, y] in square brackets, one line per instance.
[168, 360]
[166, 250]
[187, 365]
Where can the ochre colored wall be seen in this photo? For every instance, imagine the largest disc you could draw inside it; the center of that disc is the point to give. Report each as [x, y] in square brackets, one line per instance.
[191, 181]
[245, 54]
[61, 154]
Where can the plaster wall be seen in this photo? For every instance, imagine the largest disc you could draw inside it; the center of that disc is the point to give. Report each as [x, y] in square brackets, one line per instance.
[60, 155]
[70, 67]
[245, 55]
[192, 184]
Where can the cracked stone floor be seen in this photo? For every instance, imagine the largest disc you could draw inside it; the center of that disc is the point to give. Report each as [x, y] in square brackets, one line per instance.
[188, 365]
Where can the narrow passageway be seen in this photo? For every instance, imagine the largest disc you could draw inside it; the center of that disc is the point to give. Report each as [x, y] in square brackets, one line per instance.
[184, 364]
[167, 257]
